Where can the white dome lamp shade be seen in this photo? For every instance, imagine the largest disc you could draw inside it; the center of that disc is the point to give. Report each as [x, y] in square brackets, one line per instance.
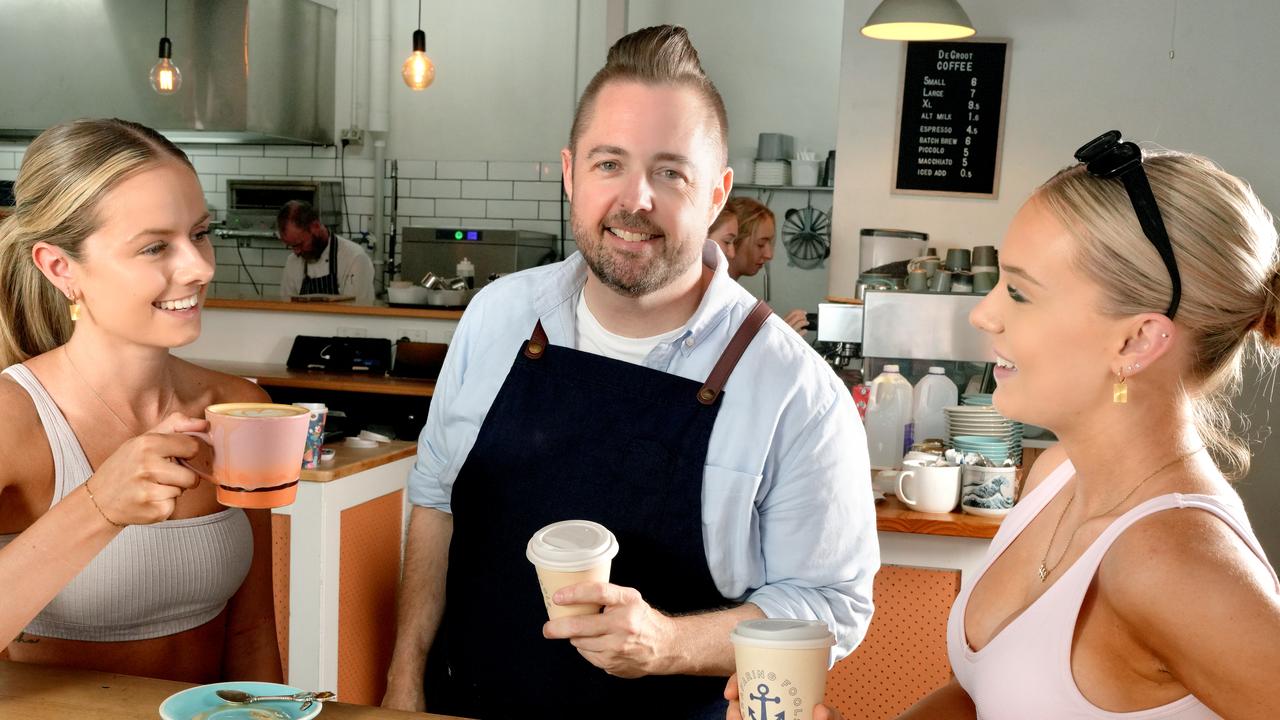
[918, 20]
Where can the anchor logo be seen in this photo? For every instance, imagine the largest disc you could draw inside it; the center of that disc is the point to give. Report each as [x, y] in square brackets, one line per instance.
[764, 699]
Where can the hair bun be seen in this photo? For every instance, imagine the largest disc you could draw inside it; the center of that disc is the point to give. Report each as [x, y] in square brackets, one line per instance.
[1269, 323]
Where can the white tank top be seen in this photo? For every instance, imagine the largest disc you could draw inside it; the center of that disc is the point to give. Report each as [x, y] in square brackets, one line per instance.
[150, 580]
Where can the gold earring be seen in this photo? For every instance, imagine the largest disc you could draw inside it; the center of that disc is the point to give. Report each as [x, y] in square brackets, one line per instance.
[74, 309]
[1120, 391]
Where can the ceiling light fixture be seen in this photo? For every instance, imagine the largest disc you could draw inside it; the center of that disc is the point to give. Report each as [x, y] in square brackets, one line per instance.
[418, 71]
[918, 20]
[165, 76]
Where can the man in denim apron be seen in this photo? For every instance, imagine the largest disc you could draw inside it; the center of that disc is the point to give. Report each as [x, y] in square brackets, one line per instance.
[637, 386]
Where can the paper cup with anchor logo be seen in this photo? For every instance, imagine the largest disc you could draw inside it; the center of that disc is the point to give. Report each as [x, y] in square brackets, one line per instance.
[782, 667]
[567, 553]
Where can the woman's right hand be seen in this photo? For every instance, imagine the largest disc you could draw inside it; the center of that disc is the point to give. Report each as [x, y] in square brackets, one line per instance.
[820, 711]
[140, 483]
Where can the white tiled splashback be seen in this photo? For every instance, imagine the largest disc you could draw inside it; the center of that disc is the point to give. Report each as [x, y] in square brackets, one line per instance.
[477, 194]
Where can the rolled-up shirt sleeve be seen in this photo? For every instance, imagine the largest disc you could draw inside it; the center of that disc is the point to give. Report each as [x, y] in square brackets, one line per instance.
[441, 448]
[818, 528]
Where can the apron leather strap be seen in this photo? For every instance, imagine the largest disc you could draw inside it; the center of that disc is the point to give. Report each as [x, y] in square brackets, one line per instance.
[714, 385]
[535, 346]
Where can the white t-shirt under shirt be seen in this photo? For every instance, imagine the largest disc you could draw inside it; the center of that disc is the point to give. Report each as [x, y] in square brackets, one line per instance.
[594, 338]
[355, 271]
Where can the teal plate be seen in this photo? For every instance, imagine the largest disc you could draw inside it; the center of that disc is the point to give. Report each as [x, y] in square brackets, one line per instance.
[200, 703]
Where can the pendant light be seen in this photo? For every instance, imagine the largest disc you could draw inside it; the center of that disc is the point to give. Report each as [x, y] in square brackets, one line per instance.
[165, 76]
[918, 20]
[418, 71]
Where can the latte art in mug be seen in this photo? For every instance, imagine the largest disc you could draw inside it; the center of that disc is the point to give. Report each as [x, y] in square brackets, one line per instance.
[255, 410]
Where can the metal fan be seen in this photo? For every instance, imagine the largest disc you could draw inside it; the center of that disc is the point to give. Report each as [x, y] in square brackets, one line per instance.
[806, 234]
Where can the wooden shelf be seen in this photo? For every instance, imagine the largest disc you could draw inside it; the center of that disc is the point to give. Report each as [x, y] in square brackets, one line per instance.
[268, 375]
[893, 516]
[340, 308]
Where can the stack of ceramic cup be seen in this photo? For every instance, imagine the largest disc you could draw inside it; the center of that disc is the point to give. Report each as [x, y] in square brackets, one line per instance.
[981, 429]
[771, 172]
[985, 269]
[771, 167]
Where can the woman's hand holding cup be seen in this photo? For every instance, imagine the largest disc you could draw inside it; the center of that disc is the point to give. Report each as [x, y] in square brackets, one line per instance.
[139, 484]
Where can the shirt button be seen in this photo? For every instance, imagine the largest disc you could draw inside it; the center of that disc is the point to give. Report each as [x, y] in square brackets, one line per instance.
[688, 342]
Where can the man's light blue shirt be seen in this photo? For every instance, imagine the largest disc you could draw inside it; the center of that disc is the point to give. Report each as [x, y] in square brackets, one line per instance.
[788, 520]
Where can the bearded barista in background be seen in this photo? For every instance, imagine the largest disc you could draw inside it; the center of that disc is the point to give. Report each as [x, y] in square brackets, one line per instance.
[314, 268]
[591, 389]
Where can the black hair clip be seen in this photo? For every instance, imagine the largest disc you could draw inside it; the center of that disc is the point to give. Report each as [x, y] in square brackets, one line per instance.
[1106, 156]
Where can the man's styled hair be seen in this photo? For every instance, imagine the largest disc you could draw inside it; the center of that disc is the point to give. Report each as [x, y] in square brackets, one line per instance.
[659, 55]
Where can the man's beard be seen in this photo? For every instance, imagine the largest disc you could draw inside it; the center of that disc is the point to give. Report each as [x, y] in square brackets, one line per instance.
[318, 244]
[632, 274]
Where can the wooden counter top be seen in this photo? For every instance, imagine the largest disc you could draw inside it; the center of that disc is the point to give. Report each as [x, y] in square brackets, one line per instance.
[337, 308]
[349, 460]
[269, 375]
[893, 516]
[34, 692]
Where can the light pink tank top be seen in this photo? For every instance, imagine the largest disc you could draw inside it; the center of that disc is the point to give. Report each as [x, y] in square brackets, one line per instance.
[1025, 670]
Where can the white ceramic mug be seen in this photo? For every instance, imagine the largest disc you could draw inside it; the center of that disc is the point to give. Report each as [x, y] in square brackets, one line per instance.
[929, 488]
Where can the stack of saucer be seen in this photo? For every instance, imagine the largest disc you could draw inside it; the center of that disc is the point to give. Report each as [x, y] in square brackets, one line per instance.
[771, 172]
[980, 429]
[983, 399]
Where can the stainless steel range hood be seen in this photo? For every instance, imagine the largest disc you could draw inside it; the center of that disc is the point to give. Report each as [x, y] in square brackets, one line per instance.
[253, 71]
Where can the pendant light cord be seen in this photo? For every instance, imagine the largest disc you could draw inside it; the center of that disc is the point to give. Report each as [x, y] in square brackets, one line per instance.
[166, 17]
[419, 13]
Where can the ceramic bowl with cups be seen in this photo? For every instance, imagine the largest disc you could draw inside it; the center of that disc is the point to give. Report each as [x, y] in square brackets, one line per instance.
[988, 491]
[929, 487]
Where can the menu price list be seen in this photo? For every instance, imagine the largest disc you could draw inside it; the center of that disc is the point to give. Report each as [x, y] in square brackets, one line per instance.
[952, 102]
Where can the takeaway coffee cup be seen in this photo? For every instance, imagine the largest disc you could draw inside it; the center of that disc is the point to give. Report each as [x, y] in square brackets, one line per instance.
[929, 488]
[567, 553]
[315, 433]
[782, 666]
[257, 452]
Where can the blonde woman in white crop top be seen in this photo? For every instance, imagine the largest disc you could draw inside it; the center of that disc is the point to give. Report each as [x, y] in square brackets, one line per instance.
[112, 556]
[1126, 582]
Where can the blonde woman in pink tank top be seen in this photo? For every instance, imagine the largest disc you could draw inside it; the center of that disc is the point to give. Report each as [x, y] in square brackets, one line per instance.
[1127, 582]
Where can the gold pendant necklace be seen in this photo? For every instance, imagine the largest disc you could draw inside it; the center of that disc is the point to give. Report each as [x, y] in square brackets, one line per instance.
[1045, 570]
[132, 431]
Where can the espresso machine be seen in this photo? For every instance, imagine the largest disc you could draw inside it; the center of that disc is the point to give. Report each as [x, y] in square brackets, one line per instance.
[911, 329]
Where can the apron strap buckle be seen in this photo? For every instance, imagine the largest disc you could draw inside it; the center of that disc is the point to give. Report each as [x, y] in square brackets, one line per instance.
[536, 345]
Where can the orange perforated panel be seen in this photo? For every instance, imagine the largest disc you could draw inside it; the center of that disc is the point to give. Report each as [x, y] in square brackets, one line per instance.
[369, 570]
[280, 583]
[904, 655]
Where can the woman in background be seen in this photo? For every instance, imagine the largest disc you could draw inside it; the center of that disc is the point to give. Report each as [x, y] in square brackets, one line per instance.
[754, 247]
[112, 556]
[724, 231]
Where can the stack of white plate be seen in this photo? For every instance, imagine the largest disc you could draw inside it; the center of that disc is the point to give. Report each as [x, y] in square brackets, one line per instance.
[981, 429]
[771, 172]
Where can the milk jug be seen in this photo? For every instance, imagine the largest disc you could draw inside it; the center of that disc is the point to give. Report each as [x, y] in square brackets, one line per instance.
[934, 392]
[888, 418]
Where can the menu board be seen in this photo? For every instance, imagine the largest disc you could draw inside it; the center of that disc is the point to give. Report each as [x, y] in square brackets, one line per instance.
[951, 118]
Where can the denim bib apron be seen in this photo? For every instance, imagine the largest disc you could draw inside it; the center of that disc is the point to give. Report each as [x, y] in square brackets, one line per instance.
[573, 435]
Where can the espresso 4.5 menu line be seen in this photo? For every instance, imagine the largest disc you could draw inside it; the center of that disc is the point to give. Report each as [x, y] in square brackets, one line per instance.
[951, 118]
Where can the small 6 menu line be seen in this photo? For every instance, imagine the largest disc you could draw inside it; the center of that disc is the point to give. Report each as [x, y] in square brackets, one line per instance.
[951, 117]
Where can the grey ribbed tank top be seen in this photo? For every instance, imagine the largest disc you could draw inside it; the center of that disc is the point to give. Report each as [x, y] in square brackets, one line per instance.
[151, 580]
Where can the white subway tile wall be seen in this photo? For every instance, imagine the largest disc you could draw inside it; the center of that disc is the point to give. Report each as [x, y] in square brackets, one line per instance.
[479, 194]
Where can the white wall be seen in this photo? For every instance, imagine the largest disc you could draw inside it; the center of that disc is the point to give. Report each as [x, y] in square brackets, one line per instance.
[1076, 70]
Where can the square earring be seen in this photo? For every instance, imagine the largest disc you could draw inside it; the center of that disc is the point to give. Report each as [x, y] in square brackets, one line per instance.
[1120, 391]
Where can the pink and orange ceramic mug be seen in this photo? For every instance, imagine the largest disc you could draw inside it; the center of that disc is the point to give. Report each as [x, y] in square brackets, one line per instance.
[257, 452]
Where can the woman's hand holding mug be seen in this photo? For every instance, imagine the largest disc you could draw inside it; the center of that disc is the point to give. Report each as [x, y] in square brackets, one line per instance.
[139, 483]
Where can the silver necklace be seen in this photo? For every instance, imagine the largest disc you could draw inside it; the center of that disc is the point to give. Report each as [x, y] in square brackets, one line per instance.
[105, 404]
[1044, 571]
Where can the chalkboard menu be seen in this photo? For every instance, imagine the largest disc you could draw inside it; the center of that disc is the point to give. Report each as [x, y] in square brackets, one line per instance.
[951, 118]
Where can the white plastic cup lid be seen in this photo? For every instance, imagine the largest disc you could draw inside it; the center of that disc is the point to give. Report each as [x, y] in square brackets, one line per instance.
[783, 634]
[571, 545]
[313, 407]
[891, 368]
